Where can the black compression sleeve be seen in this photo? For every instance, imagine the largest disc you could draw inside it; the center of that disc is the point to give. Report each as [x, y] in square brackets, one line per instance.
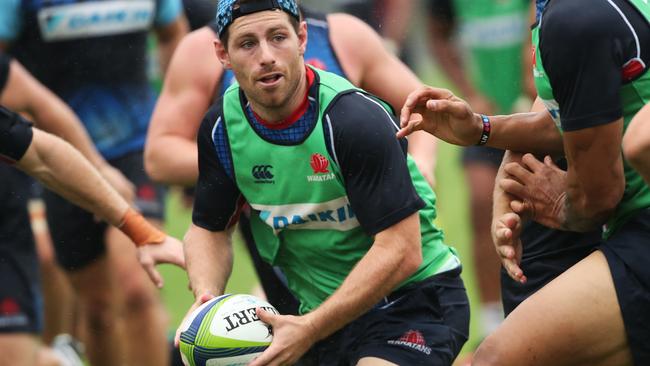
[584, 56]
[373, 163]
[15, 135]
[217, 198]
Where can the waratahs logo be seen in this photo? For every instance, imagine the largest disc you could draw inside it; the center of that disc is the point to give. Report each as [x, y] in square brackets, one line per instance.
[319, 165]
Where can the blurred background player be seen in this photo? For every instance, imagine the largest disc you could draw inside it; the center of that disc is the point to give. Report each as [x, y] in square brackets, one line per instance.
[62, 168]
[480, 46]
[96, 60]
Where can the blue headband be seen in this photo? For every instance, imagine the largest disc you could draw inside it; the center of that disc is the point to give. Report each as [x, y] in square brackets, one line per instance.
[229, 10]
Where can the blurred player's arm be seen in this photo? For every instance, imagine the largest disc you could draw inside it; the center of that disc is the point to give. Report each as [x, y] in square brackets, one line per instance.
[24, 93]
[170, 150]
[63, 169]
[170, 27]
[382, 74]
[397, 15]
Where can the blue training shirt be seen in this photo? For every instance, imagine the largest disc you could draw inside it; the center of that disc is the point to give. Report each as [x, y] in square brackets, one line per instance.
[93, 54]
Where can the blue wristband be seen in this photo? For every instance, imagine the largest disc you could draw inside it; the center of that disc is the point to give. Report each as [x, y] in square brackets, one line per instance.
[485, 134]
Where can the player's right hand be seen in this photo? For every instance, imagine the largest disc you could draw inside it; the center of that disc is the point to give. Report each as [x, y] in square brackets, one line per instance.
[442, 114]
[200, 300]
[505, 235]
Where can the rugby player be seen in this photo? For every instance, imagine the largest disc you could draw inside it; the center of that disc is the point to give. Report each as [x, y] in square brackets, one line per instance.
[350, 274]
[636, 143]
[601, 302]
[338, 43]
[92, 54]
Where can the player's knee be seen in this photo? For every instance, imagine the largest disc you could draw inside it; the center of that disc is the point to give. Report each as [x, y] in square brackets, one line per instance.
[101, 311]
[140, 296]
[490, 353]
[636, 149]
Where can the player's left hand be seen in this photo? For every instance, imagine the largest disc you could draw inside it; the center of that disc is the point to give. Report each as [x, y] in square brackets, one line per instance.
[292, 337]
[169, 251]
[540, 188]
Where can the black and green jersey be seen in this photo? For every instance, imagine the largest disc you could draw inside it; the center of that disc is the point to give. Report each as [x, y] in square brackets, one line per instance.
[315, 209]
[591, 70]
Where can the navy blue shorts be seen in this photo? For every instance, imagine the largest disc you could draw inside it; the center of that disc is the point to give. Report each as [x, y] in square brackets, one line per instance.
[77, 236]
[482, 155]
[425, 323]
[20, 296]
[628, 255]
[547, 253]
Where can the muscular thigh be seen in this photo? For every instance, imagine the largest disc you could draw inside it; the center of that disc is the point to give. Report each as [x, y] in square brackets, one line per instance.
[574, 320]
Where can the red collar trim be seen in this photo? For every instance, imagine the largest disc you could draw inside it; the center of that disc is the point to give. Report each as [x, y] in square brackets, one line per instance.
[299, 112]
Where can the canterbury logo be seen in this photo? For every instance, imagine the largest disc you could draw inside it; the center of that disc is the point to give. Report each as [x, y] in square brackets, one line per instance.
[262, 172]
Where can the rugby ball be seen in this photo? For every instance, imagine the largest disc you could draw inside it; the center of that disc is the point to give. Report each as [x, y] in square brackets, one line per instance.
[225, 331]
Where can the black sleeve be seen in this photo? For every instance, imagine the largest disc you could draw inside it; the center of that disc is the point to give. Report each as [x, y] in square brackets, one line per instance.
[217, 200]
[583, 57]
[442, 10]
[4, 70]
[15, 135]
[372, 162]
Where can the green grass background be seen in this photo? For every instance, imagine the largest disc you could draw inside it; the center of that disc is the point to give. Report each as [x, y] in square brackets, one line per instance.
[453, 218]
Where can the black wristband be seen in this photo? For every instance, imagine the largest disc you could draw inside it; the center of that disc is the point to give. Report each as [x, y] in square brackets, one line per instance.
[485, 134]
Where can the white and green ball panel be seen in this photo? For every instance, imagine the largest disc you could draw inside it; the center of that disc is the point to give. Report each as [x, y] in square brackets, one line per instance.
[205, 339]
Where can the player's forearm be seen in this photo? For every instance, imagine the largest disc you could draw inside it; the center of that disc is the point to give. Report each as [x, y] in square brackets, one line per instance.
[208, 258]
[64, 170]
[448, 57]
[588, 206]
[532, 132]
[172, 160]
[390, 261]
[57, 118]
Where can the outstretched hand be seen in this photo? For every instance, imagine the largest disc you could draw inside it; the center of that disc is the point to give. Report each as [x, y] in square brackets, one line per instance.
[505, 235]
[292, 337]
[540, 188]
[169, 251]
[442, 114]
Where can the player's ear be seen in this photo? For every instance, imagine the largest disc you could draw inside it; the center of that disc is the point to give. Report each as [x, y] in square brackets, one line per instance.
[222, 54]
[302, 37]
